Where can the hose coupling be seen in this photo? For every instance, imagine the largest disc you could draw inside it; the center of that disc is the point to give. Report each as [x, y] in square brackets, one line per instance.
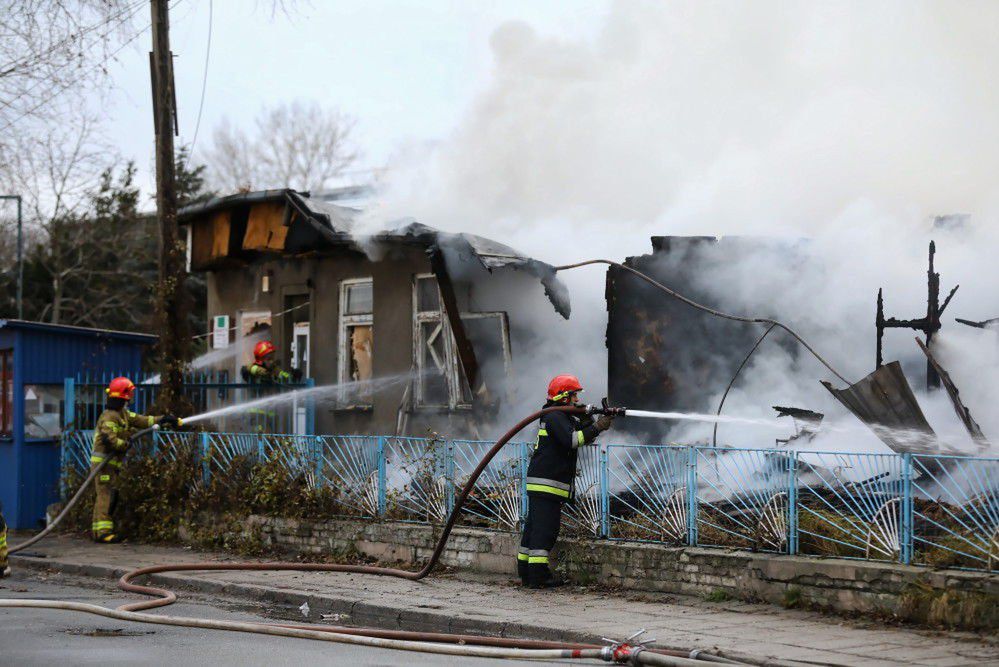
[625, 652]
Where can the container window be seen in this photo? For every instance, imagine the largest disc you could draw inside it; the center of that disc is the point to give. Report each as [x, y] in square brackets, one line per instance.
[42, 410]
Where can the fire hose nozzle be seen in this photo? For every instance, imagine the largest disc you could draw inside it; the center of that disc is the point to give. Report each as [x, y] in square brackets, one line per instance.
[605, 408]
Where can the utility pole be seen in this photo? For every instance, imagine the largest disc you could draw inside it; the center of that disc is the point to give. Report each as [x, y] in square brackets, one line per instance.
[170, 302]
[20, 255]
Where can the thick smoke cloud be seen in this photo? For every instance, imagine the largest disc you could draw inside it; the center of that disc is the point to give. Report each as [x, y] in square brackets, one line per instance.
[848, 124]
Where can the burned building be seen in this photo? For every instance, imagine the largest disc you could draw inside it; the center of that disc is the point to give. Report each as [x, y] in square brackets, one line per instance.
[662, 354]
[407, 322]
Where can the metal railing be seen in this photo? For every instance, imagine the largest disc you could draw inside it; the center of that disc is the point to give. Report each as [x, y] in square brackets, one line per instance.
[925, 510]
[85, 399]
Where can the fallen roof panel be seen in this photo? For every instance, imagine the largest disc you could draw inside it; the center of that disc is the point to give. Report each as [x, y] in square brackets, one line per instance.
[885, 403]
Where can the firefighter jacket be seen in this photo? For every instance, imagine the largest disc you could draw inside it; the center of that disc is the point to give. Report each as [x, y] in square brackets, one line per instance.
[552, 470]
[269, 371]
[112, 433]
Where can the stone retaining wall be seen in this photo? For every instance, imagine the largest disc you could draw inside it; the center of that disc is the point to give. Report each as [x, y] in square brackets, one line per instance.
[945, 597]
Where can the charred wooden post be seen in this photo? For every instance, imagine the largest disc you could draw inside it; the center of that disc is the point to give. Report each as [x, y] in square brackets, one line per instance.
[929, 324]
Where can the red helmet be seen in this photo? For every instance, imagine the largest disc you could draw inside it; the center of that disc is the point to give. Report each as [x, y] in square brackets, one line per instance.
[262, 350]
[562, 385]
[120, 388]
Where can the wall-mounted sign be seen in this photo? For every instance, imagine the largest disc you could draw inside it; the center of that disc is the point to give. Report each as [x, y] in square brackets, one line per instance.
[220, 332]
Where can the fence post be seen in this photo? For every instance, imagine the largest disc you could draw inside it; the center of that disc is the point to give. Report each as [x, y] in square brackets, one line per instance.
[318, 450]
[156, 442]
[310, 408]
[382, 481]
[792, 503]
[692, 496]
[69, 403]
[906, 539]
[205, 463]
[604, 497]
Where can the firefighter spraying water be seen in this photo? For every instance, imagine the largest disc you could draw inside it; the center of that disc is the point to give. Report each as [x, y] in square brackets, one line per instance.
[112, 438]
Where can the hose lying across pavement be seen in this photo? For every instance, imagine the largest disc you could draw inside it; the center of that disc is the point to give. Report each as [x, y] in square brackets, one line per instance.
[459, 645]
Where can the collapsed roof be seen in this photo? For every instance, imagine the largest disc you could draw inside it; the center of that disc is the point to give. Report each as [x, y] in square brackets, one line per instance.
[286, 221]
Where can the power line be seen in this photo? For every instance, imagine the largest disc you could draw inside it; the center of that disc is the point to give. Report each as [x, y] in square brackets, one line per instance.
[204, 79]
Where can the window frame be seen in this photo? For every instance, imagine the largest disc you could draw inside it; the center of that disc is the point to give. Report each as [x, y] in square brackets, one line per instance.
[454, 374]
[7, 393]
[344, 323]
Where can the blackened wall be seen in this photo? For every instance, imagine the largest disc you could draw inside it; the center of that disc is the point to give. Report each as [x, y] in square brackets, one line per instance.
[662, 353]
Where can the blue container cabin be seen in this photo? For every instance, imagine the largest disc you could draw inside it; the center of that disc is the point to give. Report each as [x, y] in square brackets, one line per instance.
[35, 359]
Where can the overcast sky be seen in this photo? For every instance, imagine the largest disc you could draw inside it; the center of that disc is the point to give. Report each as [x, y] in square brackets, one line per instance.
[405, 69]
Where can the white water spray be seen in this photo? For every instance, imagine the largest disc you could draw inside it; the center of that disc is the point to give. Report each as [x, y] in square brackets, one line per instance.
[324, 394]
[215, 357]
[698, 417]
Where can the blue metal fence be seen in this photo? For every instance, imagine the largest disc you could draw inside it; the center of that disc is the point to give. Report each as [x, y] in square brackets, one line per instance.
[85, 399]
[927, 510]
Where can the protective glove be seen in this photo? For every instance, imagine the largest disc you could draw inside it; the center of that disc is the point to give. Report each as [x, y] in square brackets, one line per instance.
[169, 420]
[604, 422]
[245, 373]
[296, 374]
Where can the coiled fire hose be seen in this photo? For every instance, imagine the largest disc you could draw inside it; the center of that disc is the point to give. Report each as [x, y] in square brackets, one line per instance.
[460, 645]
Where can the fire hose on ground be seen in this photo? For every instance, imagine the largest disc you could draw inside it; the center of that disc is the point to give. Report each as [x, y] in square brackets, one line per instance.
[635, 653]
[629, 651]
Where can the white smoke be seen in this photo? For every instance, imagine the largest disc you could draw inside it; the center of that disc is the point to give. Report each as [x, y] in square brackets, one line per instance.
[849, 124]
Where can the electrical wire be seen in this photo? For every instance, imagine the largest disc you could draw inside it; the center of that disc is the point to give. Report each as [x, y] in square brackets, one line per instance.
[721, 403]
[707, 309]
[204, 78]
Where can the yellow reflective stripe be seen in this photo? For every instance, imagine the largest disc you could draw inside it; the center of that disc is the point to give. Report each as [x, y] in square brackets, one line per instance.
[100, 525]
[542, 431]
[95, 458]
[580, 438]
[522, 557]
[544, 488]
[105, 478]
[3, 540]
[537, 559]
[152, 421]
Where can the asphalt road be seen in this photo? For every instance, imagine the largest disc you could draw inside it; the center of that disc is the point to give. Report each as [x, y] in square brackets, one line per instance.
[52, 637]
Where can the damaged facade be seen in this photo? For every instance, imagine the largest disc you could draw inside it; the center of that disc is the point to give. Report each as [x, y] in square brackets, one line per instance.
[402, 319]
[665, 355]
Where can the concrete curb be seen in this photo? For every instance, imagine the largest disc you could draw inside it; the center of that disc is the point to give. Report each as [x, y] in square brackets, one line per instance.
[357, 612]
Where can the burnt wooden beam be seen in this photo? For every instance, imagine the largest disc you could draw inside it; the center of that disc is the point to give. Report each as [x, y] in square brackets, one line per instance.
[974, 430]
[929, 324]
[466, 353]
[984, 324]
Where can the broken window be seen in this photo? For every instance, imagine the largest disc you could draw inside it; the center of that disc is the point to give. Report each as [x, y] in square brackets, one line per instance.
[356, 353]
[440, 379]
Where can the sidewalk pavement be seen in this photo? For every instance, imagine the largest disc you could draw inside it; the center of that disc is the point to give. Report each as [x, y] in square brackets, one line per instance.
[499, 607]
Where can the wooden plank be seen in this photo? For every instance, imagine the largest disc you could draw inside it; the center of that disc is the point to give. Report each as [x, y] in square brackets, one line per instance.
[220, 235]
[265, 228]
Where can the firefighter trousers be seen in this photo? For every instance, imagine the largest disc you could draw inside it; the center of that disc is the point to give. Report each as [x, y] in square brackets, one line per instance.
[107, 491]
[3, 544]
[544, 518]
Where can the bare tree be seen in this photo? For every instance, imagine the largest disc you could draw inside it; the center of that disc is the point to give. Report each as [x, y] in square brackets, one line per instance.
[50, 51]
[298, 145]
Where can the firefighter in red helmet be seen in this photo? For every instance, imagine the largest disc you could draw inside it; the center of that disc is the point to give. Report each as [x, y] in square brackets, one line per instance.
[265, 367]
[112, 437]
[550, 477]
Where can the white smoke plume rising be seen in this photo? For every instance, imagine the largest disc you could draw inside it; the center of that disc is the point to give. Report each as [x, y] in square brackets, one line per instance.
[849, 124]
